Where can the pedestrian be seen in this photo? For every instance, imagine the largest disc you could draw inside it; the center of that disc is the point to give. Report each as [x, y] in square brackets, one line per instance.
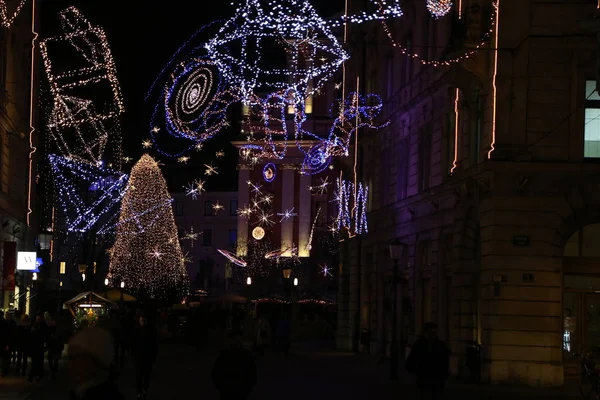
[55, 346]
[234, 372]
[3, 344]
[37, 342]
[429, 360]
[90, 357]
[10, 340]
[144, 348]
[283, 333]
[23, 344]
[263, 335]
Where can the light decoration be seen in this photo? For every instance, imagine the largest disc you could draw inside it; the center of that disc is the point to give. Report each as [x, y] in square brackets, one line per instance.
[456, 129]
[264, 219]
[315, 301]
[325, 270]
[6, 17]
[32, 102]
[287, 214]
[195, 188]
[89, 194]
[245, 212]
[86, 122]
[291, 25]
[269, 172]
[191, 236]
[391, 10]
[210, 170]
[219, 154]
[142, 235]
[146, 144]
[312, 230]
[217, 207]
[352, 207]
[321, 188]
[233, 258]
[439, 8]
[183, 159]
[470, 53]
[258, 233]
[496, 23]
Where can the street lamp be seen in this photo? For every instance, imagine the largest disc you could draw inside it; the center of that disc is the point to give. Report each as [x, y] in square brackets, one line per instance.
[396, 253]
[34, 277]
[122, 284]
[295, 281]
[83, 277]
[248, 281]
[106, 282]
[45, 240]
[287, 272]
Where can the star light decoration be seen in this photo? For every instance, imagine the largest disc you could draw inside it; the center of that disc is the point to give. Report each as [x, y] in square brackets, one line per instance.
[217, 207]
[80, 123]
[325, 270]
[220, 154]
[320, 188]
[210, 170]
[287, 214]
[191, 236]
[195, 189]
[296, 28]
[146, 255]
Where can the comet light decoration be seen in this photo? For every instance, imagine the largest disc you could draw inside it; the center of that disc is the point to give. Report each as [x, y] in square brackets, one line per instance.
[352, 207]
[89, 194]
[6, 17]
[146, 255]
[82, 126]
[233, 258]
[391, 9]
[312, 230]
[439, 8]
[313, 52]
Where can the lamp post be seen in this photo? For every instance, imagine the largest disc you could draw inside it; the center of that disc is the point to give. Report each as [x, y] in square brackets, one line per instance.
[396, 253]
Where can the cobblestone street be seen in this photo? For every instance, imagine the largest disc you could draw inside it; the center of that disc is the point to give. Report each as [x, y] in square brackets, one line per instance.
[184, 372]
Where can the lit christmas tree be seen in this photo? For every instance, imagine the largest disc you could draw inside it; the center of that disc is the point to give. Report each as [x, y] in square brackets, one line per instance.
[146, 255]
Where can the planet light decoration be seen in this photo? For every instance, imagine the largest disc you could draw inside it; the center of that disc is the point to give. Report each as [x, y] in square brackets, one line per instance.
[269, 172]
[258, 233]
[439, 8]
[312, 53]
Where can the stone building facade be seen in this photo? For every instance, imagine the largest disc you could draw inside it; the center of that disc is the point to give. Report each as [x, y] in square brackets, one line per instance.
[19, 77]
[489, 174]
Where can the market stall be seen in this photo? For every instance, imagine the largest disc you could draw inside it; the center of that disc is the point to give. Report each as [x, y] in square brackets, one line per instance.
[87, 307]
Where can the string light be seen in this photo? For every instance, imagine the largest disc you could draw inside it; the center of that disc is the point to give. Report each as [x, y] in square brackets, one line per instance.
[439, 8]
[69, 110]
[32, 100]
[407, 52]
[142, 235]
[86, 192]
[292, 24]
[392, 10]
[312, 230]
[6, 18]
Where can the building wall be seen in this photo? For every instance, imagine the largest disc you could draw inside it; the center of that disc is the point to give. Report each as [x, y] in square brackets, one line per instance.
[17, 222]
[484, 225]
[215, 229]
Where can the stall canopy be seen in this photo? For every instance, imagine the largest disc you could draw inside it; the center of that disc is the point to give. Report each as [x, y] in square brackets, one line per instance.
[88, 300]
[115, 296]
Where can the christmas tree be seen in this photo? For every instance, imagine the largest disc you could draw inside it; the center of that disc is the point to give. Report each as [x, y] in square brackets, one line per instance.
[146, 255]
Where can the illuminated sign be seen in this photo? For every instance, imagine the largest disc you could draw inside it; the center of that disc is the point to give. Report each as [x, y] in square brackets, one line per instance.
[26, 261]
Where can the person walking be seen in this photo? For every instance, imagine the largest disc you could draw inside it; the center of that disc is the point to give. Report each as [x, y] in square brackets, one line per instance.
[429, 360]
[145, 349]
[23, 344]
[55, 346]
[234, 372]
[37, 341]
[10, 339]
[89, 366]
[263, 335]
[283, 333]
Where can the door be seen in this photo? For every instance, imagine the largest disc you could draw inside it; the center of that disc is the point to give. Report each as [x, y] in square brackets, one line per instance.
[581, 328]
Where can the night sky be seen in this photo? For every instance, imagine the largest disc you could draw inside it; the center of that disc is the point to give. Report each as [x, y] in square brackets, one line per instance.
[142, 40]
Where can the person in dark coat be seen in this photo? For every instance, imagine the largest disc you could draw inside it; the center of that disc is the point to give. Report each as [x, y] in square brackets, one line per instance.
[10, 340]
[90, 372]
[55, 346]
[234, 372]
[37, 341]
[145, 349]
[23, 344]
[283, 333]
[429, 360]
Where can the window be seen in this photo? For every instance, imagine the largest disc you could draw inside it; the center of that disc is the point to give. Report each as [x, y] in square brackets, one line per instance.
[403, 163]
[207, 237]
[178, 208]
[424, 157]
[233, 207]
[232, 237]
[591, 148]
[208, 210]
[62, 268]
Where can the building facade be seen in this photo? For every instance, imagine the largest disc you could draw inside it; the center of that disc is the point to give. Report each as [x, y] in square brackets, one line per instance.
[488, 174]
[207, 224]
[19, 76]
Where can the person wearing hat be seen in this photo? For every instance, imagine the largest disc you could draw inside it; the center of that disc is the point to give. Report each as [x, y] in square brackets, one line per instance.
[90, 357]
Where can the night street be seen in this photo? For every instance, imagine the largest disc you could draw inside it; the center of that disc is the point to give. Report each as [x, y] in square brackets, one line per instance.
[184, 372]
